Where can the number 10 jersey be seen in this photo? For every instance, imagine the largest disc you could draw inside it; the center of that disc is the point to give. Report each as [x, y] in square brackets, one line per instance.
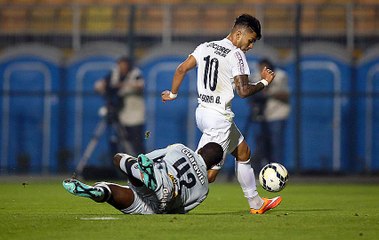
[218, 63]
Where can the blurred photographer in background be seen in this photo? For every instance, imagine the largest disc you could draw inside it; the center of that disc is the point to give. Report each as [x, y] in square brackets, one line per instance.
[123, 92]
[269, 111]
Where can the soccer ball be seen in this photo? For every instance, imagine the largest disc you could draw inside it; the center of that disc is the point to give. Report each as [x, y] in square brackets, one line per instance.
[273, 177]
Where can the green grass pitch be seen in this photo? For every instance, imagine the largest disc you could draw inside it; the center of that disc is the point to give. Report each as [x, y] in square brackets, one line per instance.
[43, 210]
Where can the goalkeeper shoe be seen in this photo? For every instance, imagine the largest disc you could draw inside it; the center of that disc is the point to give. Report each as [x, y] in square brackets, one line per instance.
[145, 165]
[267, 205]
[80, 189]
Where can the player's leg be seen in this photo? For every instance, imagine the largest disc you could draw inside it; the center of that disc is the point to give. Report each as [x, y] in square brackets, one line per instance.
[246, 178]
[80, 189]
[131, 200]
[121, 197]
[139, 170]
[128, 165]
[245, 175]
[146, 166]
[118, 196]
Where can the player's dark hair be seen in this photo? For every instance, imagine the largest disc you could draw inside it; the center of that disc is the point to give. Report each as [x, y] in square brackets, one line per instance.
[212, 153]
[247, 20]
[266, 62]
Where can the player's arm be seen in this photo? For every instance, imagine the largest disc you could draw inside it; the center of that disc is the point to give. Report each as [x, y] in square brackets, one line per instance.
[244, 89]
[179, 75]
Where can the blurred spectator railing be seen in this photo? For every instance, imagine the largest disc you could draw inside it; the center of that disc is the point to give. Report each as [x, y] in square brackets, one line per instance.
[70, 25]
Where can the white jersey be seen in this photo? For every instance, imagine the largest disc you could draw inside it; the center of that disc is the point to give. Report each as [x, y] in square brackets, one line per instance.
[218, 63]
[181, 175]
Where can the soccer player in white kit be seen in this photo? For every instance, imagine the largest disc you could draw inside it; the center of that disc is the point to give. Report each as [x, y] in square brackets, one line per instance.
[222, 68]
[169, 180]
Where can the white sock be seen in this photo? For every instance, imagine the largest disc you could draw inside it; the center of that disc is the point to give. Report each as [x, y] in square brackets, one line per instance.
[133, 168]
[246, 178]
[104, 189]
[135, 171]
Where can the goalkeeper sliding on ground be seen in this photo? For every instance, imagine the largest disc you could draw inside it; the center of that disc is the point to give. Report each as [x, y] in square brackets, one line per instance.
[169, 180]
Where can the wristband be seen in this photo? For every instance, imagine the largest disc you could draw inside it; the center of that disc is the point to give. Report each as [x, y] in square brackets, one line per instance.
[264, 82]
[173, 95]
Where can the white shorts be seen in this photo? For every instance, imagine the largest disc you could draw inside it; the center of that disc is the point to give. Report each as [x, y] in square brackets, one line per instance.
[145, 202]
[217, 128]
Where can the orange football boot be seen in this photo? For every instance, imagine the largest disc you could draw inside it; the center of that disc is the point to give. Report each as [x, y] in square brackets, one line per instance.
[269, 203]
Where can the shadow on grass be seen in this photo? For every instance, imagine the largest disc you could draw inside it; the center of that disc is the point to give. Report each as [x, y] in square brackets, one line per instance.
[271, 212]
[242, 212]
[308, 210]
[221, 213]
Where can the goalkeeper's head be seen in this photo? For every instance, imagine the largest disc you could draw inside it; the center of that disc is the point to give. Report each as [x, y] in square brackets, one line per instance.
[212, 154]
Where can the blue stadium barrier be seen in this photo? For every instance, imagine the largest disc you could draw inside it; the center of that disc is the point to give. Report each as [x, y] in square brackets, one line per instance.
[91, 63]
[47, 108]
[30, 76]
[367, 127]
[325, 86]
[169, 122]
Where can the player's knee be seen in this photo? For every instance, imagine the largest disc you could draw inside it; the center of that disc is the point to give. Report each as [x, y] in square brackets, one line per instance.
[124, 162]
[242, 152]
